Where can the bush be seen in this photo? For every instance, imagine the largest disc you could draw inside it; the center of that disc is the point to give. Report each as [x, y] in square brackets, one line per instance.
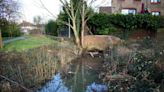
[99, 22]
[107, 31]
[135, 69]
[51, 28]
[161, 21]
[148, 76]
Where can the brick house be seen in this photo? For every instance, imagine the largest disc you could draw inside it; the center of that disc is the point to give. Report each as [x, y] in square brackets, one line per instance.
[155, 7]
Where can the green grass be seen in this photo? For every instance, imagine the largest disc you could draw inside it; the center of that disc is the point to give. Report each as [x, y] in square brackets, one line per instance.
[29, 43]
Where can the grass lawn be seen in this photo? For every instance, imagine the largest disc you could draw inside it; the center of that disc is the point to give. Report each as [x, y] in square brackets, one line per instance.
[29, 43]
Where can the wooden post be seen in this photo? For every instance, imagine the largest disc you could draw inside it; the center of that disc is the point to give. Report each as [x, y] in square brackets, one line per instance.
[69, 28]
[1, 43]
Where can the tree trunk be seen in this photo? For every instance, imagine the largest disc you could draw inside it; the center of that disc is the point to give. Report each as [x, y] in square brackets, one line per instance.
[82, 24]
[82, 33]
[77, 39]
[1, 43]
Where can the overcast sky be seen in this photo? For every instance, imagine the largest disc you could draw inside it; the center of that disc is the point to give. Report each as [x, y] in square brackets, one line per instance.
[32, 8]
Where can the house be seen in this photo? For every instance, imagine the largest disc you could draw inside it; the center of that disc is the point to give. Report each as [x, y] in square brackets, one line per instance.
[29, 28]
[155, 7]
[26, 27]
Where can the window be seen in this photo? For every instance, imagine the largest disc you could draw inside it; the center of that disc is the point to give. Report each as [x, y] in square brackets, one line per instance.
[128, 11]
[155, 1]
[156, 13]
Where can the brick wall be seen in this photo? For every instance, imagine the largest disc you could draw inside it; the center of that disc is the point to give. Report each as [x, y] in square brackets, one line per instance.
[155, 6]
[118, 5]
[105, 9]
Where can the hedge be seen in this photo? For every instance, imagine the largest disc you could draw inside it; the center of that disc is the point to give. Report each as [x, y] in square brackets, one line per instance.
[100, 22]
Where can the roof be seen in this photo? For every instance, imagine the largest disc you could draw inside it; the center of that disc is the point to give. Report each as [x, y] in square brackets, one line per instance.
[25, 23]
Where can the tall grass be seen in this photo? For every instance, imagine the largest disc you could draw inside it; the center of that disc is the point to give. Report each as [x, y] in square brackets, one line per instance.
[31, 68]
[36, 66]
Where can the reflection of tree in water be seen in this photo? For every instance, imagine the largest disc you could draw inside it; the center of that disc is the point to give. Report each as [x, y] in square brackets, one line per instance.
[55, 85]
[81, 77]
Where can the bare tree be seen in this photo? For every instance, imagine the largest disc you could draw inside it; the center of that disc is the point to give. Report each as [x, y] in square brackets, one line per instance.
[85, 15]
[72, 13]
[8, 12]
[37, 20]
[82, 6]
[78, 11]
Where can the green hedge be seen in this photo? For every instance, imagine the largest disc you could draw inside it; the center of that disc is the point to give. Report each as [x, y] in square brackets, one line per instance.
[100, 22]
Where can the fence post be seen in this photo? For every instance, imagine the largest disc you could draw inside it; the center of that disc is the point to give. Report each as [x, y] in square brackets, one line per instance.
[69, 28]
[1, 42]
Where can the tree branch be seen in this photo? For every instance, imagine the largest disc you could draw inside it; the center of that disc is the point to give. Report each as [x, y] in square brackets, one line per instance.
[66, 8]
[15, 83]
[44, 7]
[66, 23]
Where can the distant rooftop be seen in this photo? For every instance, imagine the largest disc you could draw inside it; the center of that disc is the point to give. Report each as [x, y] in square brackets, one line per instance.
[25, 23]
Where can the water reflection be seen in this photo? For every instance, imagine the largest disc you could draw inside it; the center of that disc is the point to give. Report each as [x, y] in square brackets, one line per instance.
[96, 88]
[58, 85]
[55, 85]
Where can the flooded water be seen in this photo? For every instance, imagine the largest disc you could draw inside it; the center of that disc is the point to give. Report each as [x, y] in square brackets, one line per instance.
[55, 85]
[58, 85]
[80, 78]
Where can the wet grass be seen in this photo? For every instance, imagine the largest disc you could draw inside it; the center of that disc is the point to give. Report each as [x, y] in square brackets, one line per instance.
[29, 43]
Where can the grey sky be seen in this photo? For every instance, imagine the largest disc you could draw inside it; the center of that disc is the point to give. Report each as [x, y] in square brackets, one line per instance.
[31, 8]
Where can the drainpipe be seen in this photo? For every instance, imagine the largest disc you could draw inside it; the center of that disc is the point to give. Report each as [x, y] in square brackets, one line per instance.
[142, 9]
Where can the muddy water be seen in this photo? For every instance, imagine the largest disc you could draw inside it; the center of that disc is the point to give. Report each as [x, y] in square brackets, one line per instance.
[82, 76]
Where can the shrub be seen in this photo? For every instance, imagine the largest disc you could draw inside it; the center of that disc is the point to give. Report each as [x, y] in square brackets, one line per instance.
[51, 28]
[136, 71]
[148, 76]
[102, 22]
[98, 21]
[107, 30]
[161, 21]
